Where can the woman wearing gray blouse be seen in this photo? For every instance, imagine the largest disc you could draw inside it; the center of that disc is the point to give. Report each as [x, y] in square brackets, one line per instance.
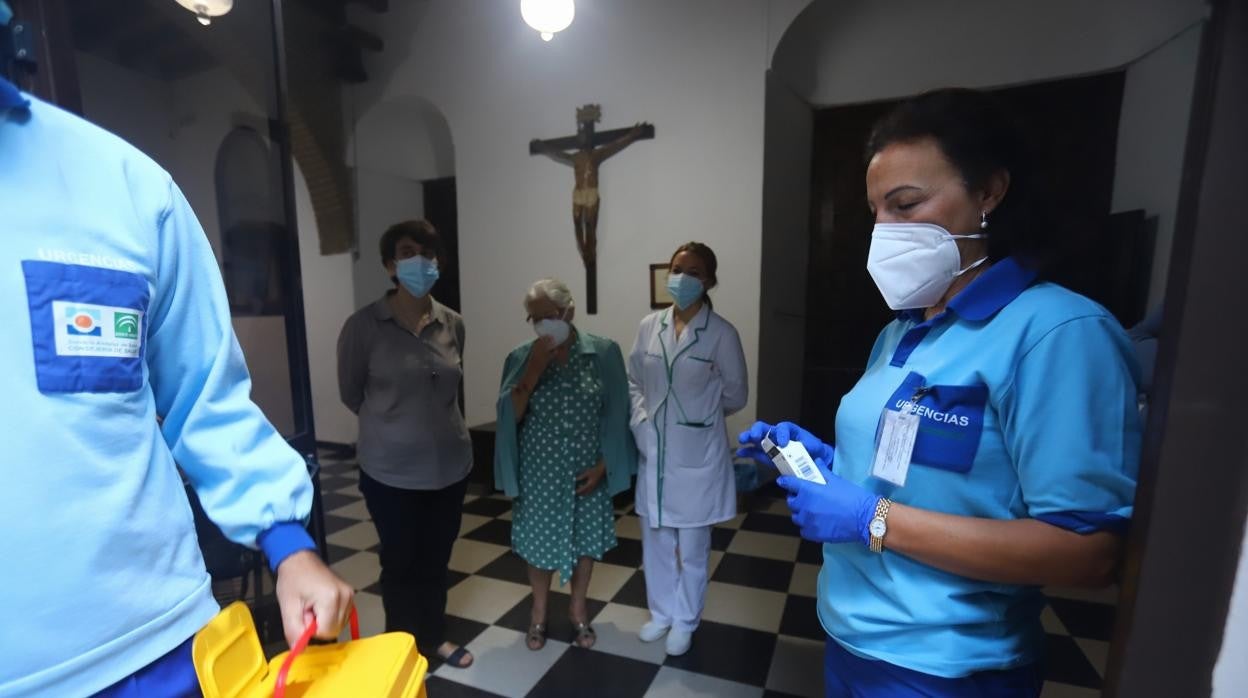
[400, 370]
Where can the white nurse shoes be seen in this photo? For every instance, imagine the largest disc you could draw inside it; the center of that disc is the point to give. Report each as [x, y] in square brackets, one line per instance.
[652, 631]
[678, 642]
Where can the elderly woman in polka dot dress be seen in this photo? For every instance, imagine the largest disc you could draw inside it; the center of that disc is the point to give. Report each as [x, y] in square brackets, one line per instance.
[563, 449]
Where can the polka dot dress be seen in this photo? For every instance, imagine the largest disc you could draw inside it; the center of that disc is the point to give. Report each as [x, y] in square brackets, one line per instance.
[551, 526]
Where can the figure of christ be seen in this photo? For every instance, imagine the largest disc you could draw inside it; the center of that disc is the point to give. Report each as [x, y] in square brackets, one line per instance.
[585, 160]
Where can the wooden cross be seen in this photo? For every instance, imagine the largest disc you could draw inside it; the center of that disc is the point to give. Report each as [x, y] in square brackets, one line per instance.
[588, 150]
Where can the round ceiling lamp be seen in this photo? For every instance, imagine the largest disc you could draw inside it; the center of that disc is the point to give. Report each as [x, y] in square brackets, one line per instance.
[206, 10]
[546, 16]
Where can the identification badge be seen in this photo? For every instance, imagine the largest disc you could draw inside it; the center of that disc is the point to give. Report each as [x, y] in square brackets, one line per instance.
[898, 433]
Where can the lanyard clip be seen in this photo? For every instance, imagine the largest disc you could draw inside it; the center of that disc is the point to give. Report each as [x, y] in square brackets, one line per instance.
[912, 406]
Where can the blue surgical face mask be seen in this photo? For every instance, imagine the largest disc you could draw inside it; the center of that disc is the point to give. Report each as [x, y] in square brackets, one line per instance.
[686, 290]
[417, 274]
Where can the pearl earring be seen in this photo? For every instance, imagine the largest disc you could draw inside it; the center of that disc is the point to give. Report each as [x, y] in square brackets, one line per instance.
[983, 220]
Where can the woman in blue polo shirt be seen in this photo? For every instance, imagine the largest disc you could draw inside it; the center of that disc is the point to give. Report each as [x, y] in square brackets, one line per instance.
[990, 447]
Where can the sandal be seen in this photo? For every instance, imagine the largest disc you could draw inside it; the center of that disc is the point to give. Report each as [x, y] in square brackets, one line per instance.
[456, 658]
[583, 635]
[536, 637]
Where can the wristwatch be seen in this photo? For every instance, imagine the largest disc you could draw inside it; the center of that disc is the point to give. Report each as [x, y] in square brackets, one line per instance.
[878, 527]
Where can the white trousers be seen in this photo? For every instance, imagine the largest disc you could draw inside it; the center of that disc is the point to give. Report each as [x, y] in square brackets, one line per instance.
[676, 560]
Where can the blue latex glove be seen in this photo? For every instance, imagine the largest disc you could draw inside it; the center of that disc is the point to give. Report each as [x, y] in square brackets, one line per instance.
[781, 434]
[838, 512]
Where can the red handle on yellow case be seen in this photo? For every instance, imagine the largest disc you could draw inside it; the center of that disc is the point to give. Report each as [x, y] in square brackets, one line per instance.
[279, 690]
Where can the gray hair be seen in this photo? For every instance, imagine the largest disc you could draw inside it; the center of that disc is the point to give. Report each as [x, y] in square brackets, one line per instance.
[553, 290]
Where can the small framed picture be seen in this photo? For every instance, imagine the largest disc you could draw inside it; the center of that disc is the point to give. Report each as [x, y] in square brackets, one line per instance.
[659, 296]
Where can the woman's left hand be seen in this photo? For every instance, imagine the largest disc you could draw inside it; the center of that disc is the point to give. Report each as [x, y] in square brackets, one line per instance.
[587, 481]
[838, 512]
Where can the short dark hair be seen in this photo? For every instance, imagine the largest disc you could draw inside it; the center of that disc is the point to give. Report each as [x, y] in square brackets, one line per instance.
[707, 255]
[418, 231]
[980, 138]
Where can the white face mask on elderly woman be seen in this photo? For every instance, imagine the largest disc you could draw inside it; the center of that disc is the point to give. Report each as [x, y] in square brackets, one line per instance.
[557, 329]
[913, 264]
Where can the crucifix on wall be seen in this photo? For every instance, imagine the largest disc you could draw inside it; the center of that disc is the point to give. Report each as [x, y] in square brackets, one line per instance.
[588, 150]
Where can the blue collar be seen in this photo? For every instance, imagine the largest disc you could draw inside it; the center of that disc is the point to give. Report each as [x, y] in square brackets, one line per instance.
[987, 294]
[11, 97]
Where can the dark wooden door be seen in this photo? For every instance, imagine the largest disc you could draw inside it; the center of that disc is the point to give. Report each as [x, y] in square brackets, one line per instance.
[442, 212]
[1074, 125]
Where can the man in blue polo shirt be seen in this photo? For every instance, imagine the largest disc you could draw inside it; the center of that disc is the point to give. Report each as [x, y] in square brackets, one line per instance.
[116, 315]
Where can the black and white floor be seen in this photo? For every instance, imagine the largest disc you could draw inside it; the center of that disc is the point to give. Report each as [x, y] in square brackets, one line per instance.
[759, 635]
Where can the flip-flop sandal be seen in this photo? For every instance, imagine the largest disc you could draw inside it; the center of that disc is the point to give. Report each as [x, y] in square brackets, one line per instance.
[584, 636]
[456, 658]
[535, 640]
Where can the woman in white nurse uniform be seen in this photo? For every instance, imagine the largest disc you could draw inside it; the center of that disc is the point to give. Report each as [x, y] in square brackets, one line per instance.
[686, 374]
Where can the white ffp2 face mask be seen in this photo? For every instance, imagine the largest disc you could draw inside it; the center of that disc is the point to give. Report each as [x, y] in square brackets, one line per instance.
[913, 264]
[557, 329]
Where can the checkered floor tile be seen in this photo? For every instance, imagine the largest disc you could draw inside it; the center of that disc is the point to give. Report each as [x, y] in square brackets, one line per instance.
[759, 635]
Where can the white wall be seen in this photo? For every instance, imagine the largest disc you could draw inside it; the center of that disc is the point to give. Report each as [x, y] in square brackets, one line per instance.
[864, 51]
[393, 147]
[328, 300]
[780, 16]
[382, 201]
[1230, 674]
[406, 137]
[693, 68]
[1152, 138]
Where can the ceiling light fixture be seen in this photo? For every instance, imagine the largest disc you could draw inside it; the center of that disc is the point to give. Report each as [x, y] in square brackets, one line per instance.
[546, 16]
[206, 10]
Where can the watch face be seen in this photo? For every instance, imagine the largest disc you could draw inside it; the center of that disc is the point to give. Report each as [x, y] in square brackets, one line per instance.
[878, 528]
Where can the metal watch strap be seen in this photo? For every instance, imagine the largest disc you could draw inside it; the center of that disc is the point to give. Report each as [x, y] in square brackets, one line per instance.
[881, 512]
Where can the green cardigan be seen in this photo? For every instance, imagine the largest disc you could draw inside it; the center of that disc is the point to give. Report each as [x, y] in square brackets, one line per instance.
[618, 449]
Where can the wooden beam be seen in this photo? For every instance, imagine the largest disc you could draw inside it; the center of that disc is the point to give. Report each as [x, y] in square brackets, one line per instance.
[378, 6]
[95, 34]
[362, 39]
[599, 138]
[350, 66]
[176, 62]
[331, 11]
[152, 40]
